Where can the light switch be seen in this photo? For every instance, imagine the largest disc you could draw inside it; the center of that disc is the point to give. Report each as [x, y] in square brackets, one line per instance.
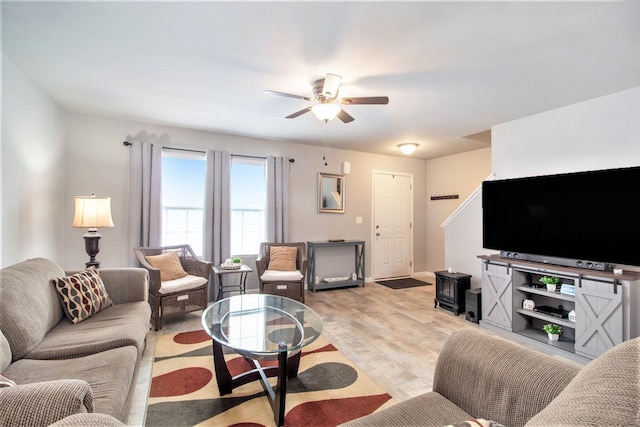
[358, 220]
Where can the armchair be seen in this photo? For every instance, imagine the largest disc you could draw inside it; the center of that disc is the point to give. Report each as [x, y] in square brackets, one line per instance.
[276, 280]
[174, 288]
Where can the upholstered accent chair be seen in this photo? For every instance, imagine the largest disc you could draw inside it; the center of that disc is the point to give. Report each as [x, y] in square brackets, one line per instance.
[282, 268]
[178, 280]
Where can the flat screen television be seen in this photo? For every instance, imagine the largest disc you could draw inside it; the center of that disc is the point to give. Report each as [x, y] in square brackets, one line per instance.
[591, 216]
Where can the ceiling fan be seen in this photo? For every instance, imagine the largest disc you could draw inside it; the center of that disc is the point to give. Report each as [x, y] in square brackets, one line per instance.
[327, 104]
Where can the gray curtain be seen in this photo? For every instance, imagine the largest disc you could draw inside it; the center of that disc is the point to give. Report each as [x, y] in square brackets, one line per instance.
[217, 208]
[145, 206]
[278, 199]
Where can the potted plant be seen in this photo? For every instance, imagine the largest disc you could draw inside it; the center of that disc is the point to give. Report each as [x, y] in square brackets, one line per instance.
[553, 331]
[551, 282]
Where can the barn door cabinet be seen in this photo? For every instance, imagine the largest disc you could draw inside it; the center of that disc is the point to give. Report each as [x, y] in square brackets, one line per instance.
[605, 305]
[497, 295]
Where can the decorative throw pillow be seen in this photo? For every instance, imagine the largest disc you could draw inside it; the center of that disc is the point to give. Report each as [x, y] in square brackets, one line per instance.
[82, 295]
[282, 258]
[6, 382]
[168, 264]
[476, 422]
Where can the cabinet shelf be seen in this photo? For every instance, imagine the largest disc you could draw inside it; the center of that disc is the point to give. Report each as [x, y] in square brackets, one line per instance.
[541, 336]
[551, 319]
[546, 293]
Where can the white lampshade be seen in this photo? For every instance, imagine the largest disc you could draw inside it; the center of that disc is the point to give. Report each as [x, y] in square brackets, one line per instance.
[92, 212]
[408, 147]
[326, 112]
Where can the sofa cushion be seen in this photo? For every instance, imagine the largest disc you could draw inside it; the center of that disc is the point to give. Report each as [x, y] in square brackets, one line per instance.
[168, 264]
[117, 326]
[5, 352]
[109, 374]
[282, 258]
[82, 294]
[604, 393]
[182, 284]
[428, 409]
[25, 289]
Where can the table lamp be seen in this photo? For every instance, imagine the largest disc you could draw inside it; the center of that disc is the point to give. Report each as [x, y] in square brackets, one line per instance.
[92, 212]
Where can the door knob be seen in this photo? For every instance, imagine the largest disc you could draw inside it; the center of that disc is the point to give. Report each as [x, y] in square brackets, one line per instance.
[377, 234]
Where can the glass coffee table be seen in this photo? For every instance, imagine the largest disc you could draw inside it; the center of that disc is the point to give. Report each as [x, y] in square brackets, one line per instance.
[261, 327]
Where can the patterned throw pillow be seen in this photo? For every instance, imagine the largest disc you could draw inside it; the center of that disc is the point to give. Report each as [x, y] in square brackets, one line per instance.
[6, 382]
[476, 422]
[82, 295]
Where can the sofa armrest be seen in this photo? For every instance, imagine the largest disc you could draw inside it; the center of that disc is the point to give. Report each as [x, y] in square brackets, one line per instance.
[86, 420]
[492, 378]
[44, 403]
[124, 285]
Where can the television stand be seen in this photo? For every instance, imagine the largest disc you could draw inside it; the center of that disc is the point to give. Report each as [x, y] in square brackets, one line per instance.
[604, 304]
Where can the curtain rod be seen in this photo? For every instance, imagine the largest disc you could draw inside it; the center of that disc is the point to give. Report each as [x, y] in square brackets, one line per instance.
[127, 143]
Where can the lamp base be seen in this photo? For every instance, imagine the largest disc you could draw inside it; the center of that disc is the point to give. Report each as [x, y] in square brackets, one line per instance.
[92, 246]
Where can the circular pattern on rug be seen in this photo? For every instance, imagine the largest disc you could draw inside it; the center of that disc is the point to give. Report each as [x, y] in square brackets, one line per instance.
[193, 337]
[180, 382]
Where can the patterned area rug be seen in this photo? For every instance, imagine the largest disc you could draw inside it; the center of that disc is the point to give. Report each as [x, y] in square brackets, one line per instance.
[329, 389]
[402, 283]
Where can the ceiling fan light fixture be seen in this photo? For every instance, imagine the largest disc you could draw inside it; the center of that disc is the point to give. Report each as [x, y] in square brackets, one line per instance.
[326, 112]
[408, 147]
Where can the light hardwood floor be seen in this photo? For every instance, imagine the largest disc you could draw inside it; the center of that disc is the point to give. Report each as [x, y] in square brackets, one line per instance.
[394, 336]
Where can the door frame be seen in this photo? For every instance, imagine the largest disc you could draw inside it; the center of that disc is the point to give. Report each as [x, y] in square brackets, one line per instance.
[374, 172]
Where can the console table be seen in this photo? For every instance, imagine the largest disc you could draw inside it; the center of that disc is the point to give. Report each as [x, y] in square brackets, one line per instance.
[358, 252]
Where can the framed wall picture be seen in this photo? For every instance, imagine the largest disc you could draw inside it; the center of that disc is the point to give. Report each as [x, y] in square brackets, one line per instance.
[331, 193]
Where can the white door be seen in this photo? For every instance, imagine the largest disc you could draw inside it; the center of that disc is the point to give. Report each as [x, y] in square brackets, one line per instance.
[392, 224]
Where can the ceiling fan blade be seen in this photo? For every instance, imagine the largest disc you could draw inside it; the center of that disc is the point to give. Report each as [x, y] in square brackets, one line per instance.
[366, 100]
[331, 85]
[345, 117]
[288, 95]
[298, 113]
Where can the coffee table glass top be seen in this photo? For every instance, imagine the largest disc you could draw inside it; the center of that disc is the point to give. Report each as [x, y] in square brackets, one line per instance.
[260, 326]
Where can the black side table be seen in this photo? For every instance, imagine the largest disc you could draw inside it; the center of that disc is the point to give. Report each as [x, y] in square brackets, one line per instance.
[450, 289]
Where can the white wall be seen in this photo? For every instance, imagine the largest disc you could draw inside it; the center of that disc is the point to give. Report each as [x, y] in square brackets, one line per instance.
[458, 174]
[601, 133]
[98, 163]
[33, 170]
[598, 134]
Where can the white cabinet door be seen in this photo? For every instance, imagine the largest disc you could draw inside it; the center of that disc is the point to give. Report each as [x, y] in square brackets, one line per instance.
[497, 296]
[599, 317]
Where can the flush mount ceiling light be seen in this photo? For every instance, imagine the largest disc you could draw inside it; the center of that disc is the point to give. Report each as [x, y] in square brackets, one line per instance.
[326, 112]
[408, 147]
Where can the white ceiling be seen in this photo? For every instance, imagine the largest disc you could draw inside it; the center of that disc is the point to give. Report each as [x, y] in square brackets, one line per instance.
[450, 69]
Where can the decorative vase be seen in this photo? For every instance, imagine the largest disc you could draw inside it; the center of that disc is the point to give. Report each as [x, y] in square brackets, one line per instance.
[551, 288]
[553, 337]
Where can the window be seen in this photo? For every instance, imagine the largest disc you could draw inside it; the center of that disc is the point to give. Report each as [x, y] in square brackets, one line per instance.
[248, 204]
[183, 179]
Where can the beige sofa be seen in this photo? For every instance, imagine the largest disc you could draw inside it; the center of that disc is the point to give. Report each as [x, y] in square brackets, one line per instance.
[482, 376]
[62, 368]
